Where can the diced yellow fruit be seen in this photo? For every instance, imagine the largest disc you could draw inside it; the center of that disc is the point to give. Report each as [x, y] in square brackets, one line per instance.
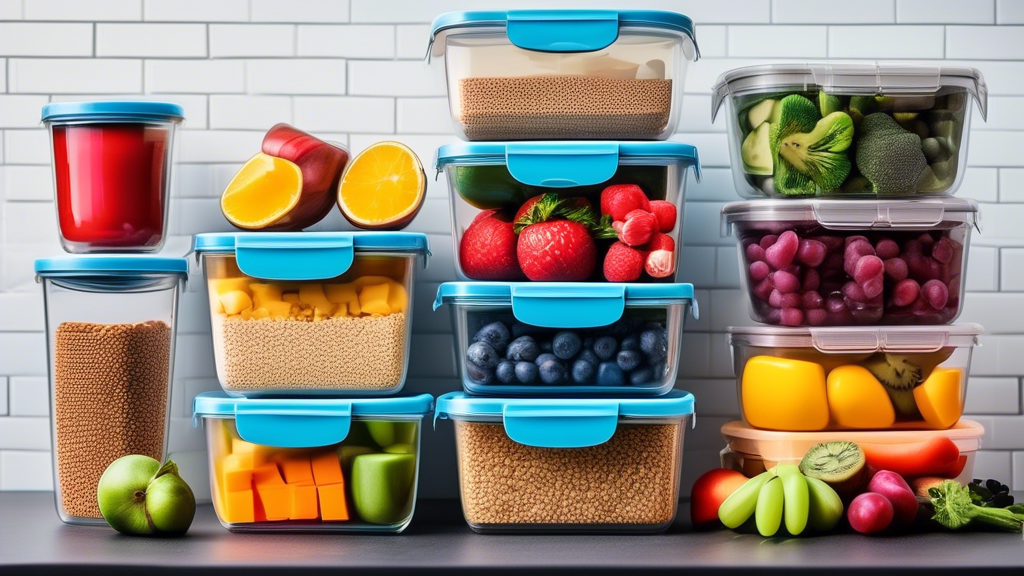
[856, 399]
[235, 301]
[353, 307]
[304, 502]
[783, 394]
[239, 461]
[340, 293]
[358, 283]
[940, 397]
[398, 299]
[278, 309]
[313, 294]
[246, 314]
[290, 297]
[236, 480]
[225, 285]
[373, 299]
[340, 311]
[238, 507]
[264, 293]
[260, 313]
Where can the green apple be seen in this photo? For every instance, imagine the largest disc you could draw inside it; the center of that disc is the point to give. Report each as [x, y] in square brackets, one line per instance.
[382, 486]
[347, 454]
[139, 496]
[385, 432]
[400, 448]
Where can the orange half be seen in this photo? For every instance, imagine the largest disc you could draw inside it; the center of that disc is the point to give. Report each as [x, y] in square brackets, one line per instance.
[262, 192]
[382, 187]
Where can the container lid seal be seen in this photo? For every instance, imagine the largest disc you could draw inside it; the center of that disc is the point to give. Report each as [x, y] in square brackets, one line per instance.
[858, 339]
[837, 214]
[109, 264]
[112, 110]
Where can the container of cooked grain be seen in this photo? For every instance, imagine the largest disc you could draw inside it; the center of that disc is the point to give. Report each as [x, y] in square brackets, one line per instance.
[313, 464]
[110, 323]
[507, 198]
[584, 465]
[311, 312]
[856, 130]
[575, 74]
[567, 338]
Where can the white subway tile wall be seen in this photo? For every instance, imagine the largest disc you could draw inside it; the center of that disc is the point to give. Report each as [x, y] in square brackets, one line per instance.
[351, 71]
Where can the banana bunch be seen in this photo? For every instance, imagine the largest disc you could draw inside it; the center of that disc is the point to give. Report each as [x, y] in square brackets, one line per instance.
[783, 493]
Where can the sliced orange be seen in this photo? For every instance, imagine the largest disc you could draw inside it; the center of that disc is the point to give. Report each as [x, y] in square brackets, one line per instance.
[262, 192]
[382, 187]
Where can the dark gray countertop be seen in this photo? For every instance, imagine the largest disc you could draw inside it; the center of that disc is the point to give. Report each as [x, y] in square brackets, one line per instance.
[34, 541]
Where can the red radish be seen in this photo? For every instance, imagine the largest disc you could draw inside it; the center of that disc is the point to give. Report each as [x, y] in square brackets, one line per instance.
[898, 492]
[870, 513]
[935, 456]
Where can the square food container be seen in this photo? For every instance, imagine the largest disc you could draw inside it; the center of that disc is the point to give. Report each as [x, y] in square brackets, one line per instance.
[573, 74]
[752, 451]
[810, 379]
[800, 130]
[342, 465]
[112, 173]
[567, 339]
[311, 312]
[491, 183]
[823, 262]
[568, 465]
[110, 325]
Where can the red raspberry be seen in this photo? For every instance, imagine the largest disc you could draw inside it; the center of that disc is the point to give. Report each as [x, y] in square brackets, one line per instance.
[621, 199]
[640, 225]
[666, 213]
[623, 263]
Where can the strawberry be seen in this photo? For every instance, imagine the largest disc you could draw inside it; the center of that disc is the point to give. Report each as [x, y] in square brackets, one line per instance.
[556, 238]
[660, 241]
[638, 228]
[573, 202]
[666, 213]
[621, 199]
[660, 256]
[488, 248]
[623, 263]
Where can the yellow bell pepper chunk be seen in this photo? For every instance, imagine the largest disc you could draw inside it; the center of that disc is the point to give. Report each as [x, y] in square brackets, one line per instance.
[856, 399]
[784, 394]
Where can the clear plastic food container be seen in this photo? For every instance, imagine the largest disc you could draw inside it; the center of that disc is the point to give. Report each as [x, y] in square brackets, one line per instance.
[112, 173]
[495, 186]
[567, 339]
[311, 312]
[110, 324]
[800, 130]
[752, 451]
[809, 379]
[574, 74]
[313, 464]
[561, 465]
[825, 262]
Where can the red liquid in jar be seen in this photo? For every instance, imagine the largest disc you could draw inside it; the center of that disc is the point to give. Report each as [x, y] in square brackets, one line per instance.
[110, 182]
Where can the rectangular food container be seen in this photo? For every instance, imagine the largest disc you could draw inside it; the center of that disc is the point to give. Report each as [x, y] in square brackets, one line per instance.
[110, 324]
[800, 130]
[311, 312]
[852, 262]
[752, 451]
[567, 339]
[573, 74]
[112, 173]
[810, 379]
[494, 184]
[342, 465]
[561, 465]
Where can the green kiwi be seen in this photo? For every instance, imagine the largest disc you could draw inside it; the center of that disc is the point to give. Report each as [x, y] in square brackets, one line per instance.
[839, 464]
[899, 376]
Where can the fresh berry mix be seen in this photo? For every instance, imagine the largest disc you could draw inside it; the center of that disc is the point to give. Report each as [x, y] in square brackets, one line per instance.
[821, 278]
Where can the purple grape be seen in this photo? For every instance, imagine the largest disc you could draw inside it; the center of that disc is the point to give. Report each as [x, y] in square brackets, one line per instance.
[811, 253]
[759, 270]
[780, 254]
[835, 304]
[840, 318]
[886, 248]
[874, 286]
[913, 247]
[867, 268]
[954, 291]
[936, 293]
[853, 292]
[905, 292]
[772, 316]
[896, 268]
[767, 240]
[832, 243]
[785, 282]
[791, 317]
[779, 300]
[755, 253]
[834, 261]
[763, 289]
[811, 280]
[926, 239]
[811, 301]
[917, 264]
[855, 238]
[816, 317]
[867, 315]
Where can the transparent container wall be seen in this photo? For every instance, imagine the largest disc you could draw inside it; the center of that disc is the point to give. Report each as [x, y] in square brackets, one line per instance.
[111, 352]
[917, 146]
[606, 360]
[365, 483]
[112, 183]
[630, 90]
[343, 335]
[476, 188]
[782, 388]
[921, 286]
[628, 484]
[751, 465]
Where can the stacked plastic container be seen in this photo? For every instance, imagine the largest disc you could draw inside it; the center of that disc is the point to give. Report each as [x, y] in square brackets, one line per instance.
[568, 421]
[853, 254]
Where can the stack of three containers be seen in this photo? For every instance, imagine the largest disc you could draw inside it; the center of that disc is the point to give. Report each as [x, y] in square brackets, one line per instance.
[567, 321]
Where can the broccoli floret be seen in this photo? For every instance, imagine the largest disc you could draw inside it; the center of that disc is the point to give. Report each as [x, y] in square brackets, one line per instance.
[793, 114]
[821, 153]
[889, 156]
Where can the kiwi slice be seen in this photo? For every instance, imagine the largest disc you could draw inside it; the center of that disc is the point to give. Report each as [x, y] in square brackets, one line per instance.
[899, 376]
[839, 464]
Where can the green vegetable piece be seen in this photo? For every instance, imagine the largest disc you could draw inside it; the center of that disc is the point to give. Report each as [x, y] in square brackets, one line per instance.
[889, 156]
[759, 113]
[821, 153]
[794, 114]
[756, 153]
[829, 103]
[955, 510]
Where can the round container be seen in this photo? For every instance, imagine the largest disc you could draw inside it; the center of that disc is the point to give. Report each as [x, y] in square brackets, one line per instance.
[313, 465]
[569, 465]
[110, 325]
[911, 255]
[809, 379]
[573, 74]
[112, 173]
[914, 141]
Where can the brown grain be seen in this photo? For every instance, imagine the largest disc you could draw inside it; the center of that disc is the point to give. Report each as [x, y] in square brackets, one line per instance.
[110, 395]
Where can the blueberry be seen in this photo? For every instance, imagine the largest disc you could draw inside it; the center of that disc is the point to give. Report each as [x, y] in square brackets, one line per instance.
[628, 360]
[588, 355]
[552, 372]
[495, 334]
[506, 372]
[544, 358]
[641, 376]
[523, 348]
[520, 329]
[583, 372]
[604, 347]
[526, 372]
[631, 342]
[566, 345]
[654, 343]
[482, 355]
[546, 346]
[609, 374]
[588, 342]
[478, 374]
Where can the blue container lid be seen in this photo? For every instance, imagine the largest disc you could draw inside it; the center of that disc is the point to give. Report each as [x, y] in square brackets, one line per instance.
[561, 422]
[109, 264]
[122, 111]
[303, 422]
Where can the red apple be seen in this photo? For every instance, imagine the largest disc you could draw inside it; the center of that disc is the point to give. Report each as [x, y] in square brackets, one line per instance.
[709, 491]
